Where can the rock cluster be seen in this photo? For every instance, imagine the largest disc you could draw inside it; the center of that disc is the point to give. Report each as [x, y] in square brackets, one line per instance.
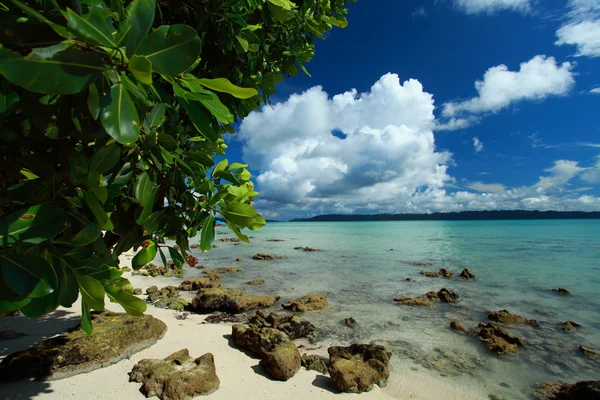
[584, 390]
[507, 318]
[197, 284]
[176, 377]
[414, 301]
[264, 256]
[498, 340]
[306, 248]
[314, 363]
[166, 297]
[466, 274]
[168, 270]
[229, 239]
[359, 367]
[229, 300]
[436, 274]
[291, 325]
[444, 295]
[570, 326]
[310, 302]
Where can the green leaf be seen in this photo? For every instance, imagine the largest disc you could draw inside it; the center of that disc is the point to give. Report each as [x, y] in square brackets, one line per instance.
[243, 42]
[208, 99]
[137, 23]
[176, 257]
[9, 301]
[69, 289]
[59, 69]
[8, 98]
[219, 167]
[171, 49]
[237, 232]
[141, 68]
[93, 27]
[131, 304]
[155, 221]
[61, 30]
[86, 320]
[96, 207]
[224, 85]
[240, 214]
[280, 9]
[155, 116]
[32, 225]
[92, 292]
[120, 117]
[41, 306]
[105, 158]
[207, 236]
[28, 275]
[199, 119]
[144, 187]
[259, 222]
[144, 256]
[94, 101]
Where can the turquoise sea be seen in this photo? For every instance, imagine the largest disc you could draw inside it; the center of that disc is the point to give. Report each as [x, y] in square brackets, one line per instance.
[363, 267]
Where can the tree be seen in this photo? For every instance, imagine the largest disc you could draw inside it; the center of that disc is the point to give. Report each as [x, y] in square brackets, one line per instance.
[111, 116]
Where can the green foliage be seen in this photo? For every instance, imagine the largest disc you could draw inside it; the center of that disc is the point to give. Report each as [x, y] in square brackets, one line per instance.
[112, 116]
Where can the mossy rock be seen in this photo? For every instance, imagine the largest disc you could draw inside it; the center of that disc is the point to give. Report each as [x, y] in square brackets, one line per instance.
[229, 300]
[116, 336]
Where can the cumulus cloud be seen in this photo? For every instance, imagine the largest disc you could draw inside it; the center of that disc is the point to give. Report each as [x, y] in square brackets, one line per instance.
[487, 187]
[477, 144]
[492, 6]
[592, 174]
[536, 79]
[582, 28]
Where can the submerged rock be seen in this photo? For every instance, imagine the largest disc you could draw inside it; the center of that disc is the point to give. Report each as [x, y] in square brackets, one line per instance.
[283, 362]
[116, 336]
[561, 290]
[293, 326]
[444, 295]
[584, 390]
[409, 280]
[274, 240]
[351, 322]
[498, 340]
[229, 300]
[420, 263]
[570, 326]
[229, 239]
[239, 259]
[197, 284]
[310, 302]
[11, 335]
[436, 274]
[212, 275]
[507, 318]
[306, 248]
[231, 270]
[466, 274]
[176, 377]
[359, 367]
[589, 351]
[457, 326]
[414, 301]
[256, 282]
[264, 256]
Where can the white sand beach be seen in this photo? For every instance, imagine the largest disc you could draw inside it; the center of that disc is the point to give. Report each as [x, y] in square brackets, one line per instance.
[240, 375]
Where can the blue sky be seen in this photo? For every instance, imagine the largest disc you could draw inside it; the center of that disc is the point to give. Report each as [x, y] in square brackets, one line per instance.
[421, 136]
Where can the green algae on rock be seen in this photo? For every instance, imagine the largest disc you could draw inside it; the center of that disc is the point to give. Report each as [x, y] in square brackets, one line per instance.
[229, 300]
[116, 336]
[310, 302]
[357, 368]
[176, 377]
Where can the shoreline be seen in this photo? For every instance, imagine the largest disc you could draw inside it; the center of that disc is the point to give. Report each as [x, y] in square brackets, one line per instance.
[239, 373]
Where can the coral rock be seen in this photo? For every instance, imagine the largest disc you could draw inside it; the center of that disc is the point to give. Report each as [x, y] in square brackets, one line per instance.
[310, 302]
[498, 340]
[507, 318]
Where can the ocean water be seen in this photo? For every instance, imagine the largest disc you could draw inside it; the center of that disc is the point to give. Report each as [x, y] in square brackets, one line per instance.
[363, 267]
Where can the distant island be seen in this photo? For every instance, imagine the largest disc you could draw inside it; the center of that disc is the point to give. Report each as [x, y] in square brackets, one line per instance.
[455, 216]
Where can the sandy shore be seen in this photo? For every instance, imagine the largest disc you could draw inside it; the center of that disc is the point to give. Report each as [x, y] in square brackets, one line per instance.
[240, 375]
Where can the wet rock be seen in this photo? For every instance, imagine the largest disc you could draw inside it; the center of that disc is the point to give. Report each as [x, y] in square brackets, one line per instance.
[230, 239]
[260, 341]
[256, 282]
[293, 326]
[10, 335]
[239, 259]
[176, 377]
[589, 351]
[457, 326]
[197, 284]
[584, 390]
[466, 274]
[436, 274]
[274, 240]
[264, 256]
[409, 280]
[351, 322]
[414, 301]
[507, 318]
[310, 302]
[359, 367]
[137, 291]
[231, 270]
[570, 326]
[306, 249]
[420, 263]
[212, 275]
[223, 317]
[444, 295]
[561, 290]
[498, 340]
[314, 363]
[229, 300]
[116, 336]
[283, 362]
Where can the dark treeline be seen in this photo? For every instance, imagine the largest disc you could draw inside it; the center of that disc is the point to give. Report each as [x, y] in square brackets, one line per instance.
[457, 216]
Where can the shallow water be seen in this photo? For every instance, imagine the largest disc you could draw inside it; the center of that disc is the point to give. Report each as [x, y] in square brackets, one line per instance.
[363, 267]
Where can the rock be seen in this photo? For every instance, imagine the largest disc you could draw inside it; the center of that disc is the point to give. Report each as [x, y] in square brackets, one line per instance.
[176, 377]
[260, 341]
[197, 284]
[420, 263]
[167, 297]
[561, 291]
[195, 246]
[264, 256]
[223, 317]
[137, 291]
[306, 249]
[357, 368]
[498, 340]
[283, 362]
[570, 326]
[239, 259]
[274, 240]
[414, 301]
[351, 322]
[444, 295]
[293, 326]
[314, 363]
[256, 282]
[507, 318]
[182, 316]
[310, 302]
[457, 326]
[584, 390]
[230, 239]
[588, 351]
[229, 300]
[10, 335]
[153, 270]
[212, 275]
[231, 270]
[466, 274]
[436, 274]
[151, 289]
[116, 336]
[409, 280]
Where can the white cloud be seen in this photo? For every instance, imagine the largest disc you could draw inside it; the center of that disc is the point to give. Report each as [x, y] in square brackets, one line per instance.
[558, 175]
[595, 90]
[592, 174]
[487, 187]
[477, 144]
[582, 28]
[536, 79]
[419, 12]
[492, 6]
